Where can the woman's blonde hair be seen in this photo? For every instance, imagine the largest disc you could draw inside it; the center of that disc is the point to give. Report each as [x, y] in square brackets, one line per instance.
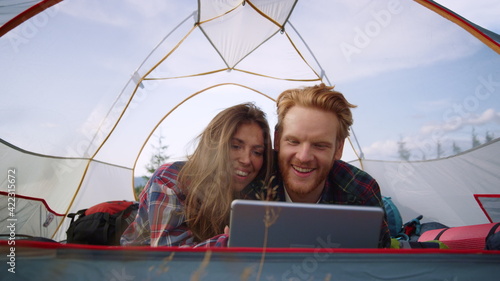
[207, 176]
[320, 97]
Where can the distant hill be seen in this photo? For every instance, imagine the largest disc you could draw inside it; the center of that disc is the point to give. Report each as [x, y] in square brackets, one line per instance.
[139, 181]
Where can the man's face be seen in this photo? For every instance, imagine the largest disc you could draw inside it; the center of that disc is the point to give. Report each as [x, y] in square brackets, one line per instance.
[307, 149]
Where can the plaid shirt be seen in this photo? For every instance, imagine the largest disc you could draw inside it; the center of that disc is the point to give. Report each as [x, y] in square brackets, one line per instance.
[160, 220]
[346, 185]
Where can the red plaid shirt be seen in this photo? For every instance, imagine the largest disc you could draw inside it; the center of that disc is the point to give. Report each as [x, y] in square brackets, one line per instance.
[160, 219]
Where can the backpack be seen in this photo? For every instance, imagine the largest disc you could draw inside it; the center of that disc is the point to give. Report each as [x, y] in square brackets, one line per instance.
[102, 224]
[394, 219]
[397, 229]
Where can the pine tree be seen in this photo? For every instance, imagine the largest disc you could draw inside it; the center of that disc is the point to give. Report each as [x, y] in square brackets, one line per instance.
[439, 150]
[456, 149]
[475, 141]
[158, 158]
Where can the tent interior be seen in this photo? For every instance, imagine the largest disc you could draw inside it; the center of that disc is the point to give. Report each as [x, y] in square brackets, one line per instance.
[88, 88]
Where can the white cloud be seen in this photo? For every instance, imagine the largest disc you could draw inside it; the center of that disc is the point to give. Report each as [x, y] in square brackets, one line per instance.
[424, 143]
[489, 115]
[381, 37]
[455, 124]
[126, 14]
[381, 150]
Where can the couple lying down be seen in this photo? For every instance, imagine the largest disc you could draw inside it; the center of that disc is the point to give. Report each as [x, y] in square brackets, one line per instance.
[188, 203]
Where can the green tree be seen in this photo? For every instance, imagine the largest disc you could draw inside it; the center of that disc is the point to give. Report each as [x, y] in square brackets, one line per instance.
[138, 189]
[158, 158]
[439, 150]
[475, 141]
[456, 149]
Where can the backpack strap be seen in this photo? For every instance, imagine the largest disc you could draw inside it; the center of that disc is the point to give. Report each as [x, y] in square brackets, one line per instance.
[119, 220]
[419, 245]
[441, 233]
[105, 229]
[80, 213]
[492, 231]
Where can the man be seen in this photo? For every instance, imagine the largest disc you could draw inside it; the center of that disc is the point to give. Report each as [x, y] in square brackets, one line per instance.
[313, 123]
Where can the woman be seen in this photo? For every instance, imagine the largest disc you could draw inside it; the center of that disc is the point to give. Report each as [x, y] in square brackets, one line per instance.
[188, 203]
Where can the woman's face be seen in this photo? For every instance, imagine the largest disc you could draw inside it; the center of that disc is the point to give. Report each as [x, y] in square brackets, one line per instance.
[246, 154]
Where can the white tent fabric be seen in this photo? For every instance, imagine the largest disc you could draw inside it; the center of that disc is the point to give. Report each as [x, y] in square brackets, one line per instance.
[447, 183]
[85, 84]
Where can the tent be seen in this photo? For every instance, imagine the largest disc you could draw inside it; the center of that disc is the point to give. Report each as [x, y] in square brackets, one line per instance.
[52, 261]
[86, 86]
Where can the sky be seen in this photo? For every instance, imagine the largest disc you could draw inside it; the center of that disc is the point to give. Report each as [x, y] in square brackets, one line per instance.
[422, 140]
[484, 12]
[423, 113]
